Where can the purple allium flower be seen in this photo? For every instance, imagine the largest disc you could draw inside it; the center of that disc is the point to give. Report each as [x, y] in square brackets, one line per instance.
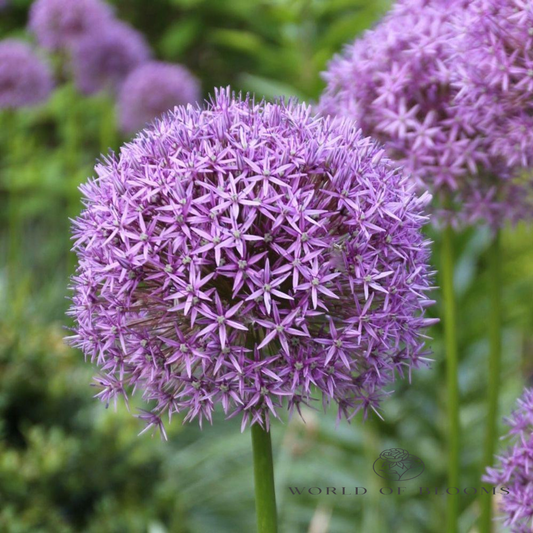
[24, 79]
[58, 24]
[248, 253]
[102, 60]
[495, 77]
[152, 89]
[397, 82]
[515, 468]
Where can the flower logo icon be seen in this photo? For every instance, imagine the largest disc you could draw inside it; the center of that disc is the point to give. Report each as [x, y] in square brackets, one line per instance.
[397, 464]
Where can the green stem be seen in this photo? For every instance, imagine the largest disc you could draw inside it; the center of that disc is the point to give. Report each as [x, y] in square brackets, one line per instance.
[265, 496]
[72, 153]
[495, 342]
[450, 340]
[108, 128]
[373, 519]
[71, 132]
[13, 161]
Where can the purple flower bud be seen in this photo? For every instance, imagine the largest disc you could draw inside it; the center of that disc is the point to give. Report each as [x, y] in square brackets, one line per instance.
[103, 59]
[515, 468]
[24, 79]
[58, 24]
[152, 89]
[248, 254]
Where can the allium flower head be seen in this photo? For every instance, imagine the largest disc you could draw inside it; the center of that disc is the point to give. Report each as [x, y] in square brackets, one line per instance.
[24, 79]
[397, 82]
[58, 24]
[152, 89]
[495, 77]
[102, 60]
[247, 253]
[515, 468]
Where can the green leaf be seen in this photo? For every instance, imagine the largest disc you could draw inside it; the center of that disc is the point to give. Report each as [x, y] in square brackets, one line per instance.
[347, 28]
[179, 37]
[243, 41]
[264, 87]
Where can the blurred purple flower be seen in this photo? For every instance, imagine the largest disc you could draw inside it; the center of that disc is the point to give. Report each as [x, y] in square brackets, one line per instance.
[24, 79]
[102, 60]
[495, 76]
[249, 253]
[515, 468]
[152, 89]
[396, 81]
[58, 24]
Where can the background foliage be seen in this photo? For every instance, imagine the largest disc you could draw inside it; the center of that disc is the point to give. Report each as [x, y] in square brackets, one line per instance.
[68, 465]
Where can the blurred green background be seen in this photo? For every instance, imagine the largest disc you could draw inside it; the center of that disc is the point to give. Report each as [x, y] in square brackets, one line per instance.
[67, 464]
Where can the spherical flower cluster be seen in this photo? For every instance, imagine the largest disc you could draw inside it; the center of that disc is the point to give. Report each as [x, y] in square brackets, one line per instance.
[397, 82]
[495, 76]
[246, 254]
[24, 79]
[515, 468]
[58, 24]
[152, 89]
[103, 60]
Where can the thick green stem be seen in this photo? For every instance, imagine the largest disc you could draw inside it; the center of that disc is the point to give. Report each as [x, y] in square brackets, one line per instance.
[495, 342]
[450, 340]
[265, 496]
[373, 517]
